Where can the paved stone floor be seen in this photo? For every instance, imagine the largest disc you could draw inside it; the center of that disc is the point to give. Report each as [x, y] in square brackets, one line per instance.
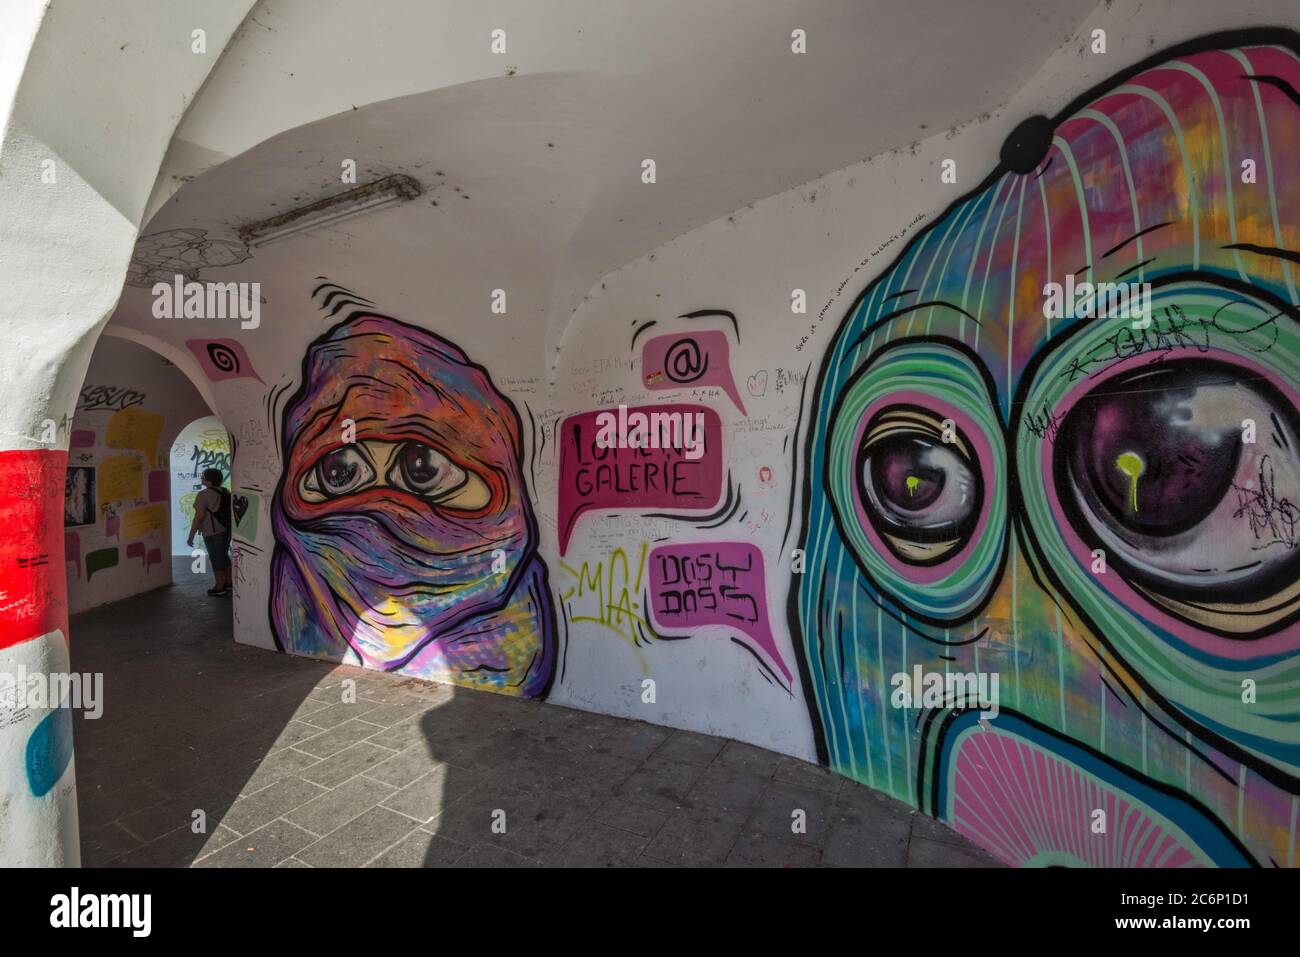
[414, 774]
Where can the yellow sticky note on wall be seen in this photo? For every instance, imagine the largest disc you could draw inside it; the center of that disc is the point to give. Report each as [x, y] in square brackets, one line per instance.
[120, 478]
[135, 429]
[141, 521]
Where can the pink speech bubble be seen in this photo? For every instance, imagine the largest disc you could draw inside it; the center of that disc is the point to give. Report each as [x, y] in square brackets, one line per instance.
[72, 550]
[82, 439]
[136, 550]
[713, 583]
[158, 486]
[592, 477]
[154, 557]
[223, 359]
[690, 360]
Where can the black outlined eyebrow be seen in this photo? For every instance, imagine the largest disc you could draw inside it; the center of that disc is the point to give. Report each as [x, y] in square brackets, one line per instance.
[1275, 81]
[1142, 232]
[1278, 251]
[902, 312]
[905, 292]
[1135, 267]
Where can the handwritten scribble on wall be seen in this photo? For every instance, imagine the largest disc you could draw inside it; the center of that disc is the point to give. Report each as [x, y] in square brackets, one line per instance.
[1073, 501]
[414, 547]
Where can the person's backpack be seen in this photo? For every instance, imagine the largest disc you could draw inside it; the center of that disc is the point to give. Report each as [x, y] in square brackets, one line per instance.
[222, 514]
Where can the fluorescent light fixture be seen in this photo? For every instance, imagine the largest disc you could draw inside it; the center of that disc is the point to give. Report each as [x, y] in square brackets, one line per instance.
[364, 199]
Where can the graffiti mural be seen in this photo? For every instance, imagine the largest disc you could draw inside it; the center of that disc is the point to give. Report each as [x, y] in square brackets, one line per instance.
[405, 538]
[1058, 440]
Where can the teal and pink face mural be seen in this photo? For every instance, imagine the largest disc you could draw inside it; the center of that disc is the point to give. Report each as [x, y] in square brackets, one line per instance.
[405, 538]
[1103, 512]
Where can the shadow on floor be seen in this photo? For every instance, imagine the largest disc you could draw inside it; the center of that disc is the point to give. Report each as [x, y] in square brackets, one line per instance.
[289, 762]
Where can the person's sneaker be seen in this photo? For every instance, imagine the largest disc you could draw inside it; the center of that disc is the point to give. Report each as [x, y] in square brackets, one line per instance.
[215, 591]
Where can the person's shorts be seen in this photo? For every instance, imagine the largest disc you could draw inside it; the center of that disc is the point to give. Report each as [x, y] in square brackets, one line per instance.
[218, 547]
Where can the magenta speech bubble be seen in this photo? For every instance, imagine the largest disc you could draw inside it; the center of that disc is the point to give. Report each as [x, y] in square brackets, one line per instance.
[592, 477]
[713, 583]
[690, 360]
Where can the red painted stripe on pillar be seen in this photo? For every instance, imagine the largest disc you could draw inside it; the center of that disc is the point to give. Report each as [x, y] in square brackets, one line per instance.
[33, 579]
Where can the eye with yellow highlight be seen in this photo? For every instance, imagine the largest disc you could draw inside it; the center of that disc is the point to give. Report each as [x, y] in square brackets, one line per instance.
[921, 489]
[1186, 474]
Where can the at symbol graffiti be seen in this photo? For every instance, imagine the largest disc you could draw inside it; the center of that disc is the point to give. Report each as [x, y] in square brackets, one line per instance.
[684, 362]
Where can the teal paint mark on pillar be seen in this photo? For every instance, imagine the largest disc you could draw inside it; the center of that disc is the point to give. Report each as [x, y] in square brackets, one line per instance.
[49, 750]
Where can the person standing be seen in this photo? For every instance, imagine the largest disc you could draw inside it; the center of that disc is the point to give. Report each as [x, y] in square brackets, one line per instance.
[212, 521]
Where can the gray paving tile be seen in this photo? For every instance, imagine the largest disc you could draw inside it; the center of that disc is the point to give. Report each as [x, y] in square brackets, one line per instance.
[109, 842]
[626, 816]
[690, 748]
[789, 811]
[660, 783]
[488, 855]
[265, 847]
[923, 852]
[250, 813]
[726, 788]
[404, 767]
[431, 794]
[180, 848]
[927, 827]
[421, 849]
[857, 839]
[764, 850]
[252, 777]
[337, 768]
[599, 845]
[696, 837]
[335, 808]
[802, 774]
[341, 736]
[751, 760]
[360, 840]
[214, 800]
[339, 713]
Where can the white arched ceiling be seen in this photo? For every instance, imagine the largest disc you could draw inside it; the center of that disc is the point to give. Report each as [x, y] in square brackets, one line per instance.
[532, 158]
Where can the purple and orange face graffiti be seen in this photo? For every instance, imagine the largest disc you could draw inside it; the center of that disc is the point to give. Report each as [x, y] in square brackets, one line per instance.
[404, 534]
[1059, 440]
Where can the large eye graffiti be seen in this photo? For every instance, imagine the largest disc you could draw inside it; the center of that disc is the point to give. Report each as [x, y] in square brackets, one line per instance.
[425, 471]
[1160, 475]
[340, 472]
[916, 478]
[1157, 467]
[920, 484]
[411, 466]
